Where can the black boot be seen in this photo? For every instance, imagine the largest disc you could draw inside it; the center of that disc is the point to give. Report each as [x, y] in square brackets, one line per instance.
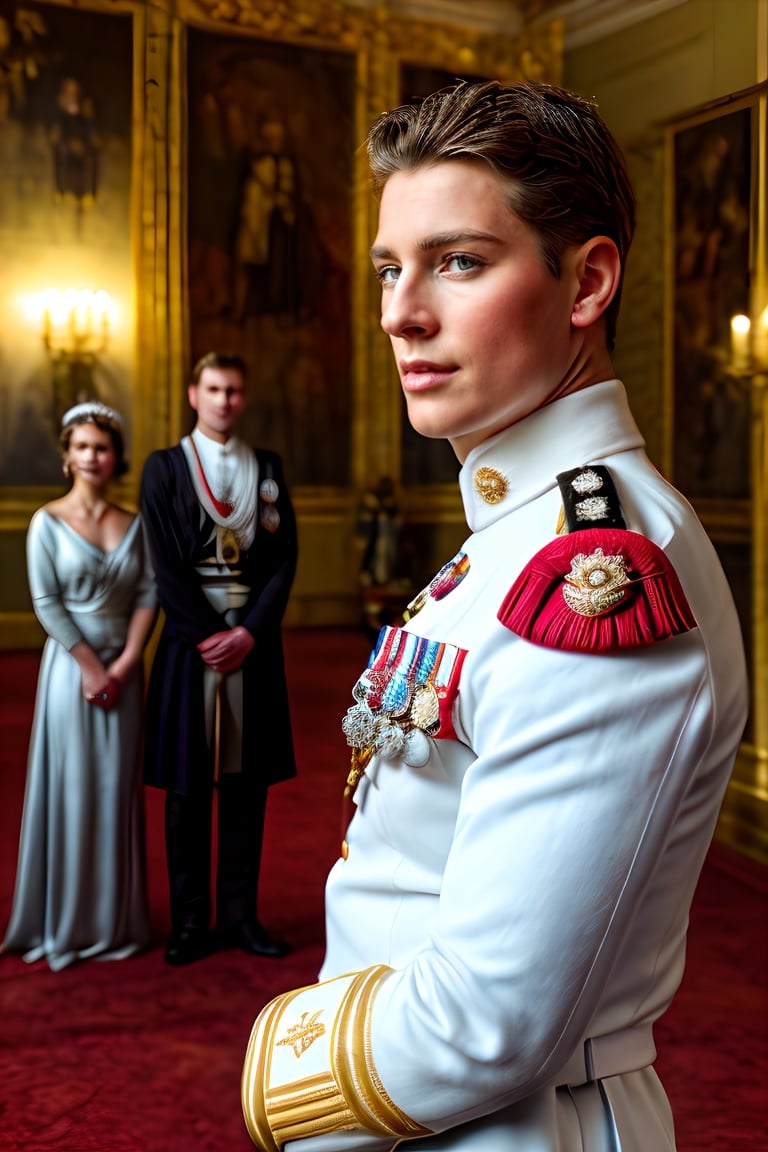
[188, 852]
[242, 808]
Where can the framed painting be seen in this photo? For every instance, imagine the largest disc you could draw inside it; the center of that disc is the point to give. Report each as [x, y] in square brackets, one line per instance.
[66, 271]
[712, 229]
[717, 345]
[270, 187]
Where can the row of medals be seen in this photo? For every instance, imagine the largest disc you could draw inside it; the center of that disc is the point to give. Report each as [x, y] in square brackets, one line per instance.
[388, 705]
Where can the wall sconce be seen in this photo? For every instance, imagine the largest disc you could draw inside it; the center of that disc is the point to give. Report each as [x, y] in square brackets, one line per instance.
[740, 352]
[75, 329]
[75, 322]
[749, 344]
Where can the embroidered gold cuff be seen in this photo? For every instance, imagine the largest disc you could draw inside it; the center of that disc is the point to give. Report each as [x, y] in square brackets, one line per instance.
[327, 1027]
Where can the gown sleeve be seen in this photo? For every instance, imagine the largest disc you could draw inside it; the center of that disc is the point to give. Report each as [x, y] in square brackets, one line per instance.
[44, 587]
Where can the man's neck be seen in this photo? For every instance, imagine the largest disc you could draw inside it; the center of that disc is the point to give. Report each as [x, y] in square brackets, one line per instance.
[214, 437]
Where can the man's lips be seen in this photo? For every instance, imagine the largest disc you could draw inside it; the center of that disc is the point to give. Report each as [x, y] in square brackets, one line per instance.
[419, 374]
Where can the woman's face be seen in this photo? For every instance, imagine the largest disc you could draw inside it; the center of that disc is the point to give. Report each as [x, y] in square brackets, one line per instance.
[91, 455]
[480, 328]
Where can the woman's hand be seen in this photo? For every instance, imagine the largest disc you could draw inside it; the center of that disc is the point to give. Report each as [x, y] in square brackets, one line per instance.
[96, 685]
[108, 696]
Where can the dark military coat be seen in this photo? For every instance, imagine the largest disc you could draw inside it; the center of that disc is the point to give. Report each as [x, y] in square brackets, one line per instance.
[177, 756]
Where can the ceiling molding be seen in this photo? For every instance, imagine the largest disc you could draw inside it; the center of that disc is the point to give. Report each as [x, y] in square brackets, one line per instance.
[505, 16]
[585, 21]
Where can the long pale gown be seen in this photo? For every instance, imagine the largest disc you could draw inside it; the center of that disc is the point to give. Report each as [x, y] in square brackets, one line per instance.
[81, 883]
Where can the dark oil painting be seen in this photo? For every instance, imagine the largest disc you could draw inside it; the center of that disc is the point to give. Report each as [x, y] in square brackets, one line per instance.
[271, 150]
[712, 191]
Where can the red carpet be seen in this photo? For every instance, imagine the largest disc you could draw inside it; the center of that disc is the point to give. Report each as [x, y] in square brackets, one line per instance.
[135, 1056]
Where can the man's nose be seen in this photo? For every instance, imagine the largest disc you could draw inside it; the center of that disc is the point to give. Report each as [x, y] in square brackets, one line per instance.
[407, 307]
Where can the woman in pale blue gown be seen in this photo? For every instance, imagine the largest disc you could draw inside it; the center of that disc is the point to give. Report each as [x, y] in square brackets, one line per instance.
[81, 882]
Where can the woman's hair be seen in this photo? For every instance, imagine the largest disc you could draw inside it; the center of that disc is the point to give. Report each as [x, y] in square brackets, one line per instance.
[104, 418]
[565, 174]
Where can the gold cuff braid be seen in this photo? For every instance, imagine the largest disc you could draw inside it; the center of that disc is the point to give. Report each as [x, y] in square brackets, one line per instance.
[353, 1066]
[346, 1097]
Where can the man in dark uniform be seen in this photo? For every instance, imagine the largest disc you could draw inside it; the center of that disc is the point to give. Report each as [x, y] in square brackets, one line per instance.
[222, 535]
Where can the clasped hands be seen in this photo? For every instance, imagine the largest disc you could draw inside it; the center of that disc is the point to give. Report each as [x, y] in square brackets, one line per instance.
[225, 652]
[106, 696]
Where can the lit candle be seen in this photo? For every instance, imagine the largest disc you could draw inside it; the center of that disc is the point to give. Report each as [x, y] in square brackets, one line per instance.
[101, 305]
[69, 309]
[740, 326]
[58, 314]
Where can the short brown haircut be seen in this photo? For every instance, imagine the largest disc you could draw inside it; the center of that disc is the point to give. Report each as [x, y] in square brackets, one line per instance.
[218, 360]
[565, 174]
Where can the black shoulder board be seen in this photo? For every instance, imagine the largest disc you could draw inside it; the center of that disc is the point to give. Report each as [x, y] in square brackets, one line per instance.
[590, 499]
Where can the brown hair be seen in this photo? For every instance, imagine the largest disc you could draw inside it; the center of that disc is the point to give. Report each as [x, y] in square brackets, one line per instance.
[565, 174]
[217, 360]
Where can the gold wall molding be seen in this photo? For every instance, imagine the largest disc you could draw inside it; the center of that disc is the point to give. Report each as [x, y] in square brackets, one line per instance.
[20, 630]
[324, 21]
[536, 54]
[743, 822]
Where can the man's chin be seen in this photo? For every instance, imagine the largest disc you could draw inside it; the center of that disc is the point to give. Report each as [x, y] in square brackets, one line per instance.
[428, 425]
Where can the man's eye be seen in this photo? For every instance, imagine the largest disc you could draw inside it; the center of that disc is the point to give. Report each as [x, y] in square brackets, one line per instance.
[388, 273]
[461, 262]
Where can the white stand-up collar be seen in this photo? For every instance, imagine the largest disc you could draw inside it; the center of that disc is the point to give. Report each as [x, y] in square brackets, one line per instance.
[520, 463]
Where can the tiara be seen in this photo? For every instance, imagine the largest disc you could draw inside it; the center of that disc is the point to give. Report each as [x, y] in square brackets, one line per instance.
[81, 413]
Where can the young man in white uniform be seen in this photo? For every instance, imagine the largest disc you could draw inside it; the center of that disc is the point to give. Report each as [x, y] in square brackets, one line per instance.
[540, 754]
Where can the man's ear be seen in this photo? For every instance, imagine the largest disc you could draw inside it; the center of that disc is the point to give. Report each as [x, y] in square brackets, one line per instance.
[598, 269]
[192, 396]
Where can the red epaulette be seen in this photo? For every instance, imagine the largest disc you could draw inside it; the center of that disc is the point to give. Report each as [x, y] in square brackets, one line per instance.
[598, 588]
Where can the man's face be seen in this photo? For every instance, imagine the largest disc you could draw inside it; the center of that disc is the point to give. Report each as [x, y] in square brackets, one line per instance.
[480, 329]
[218, 398]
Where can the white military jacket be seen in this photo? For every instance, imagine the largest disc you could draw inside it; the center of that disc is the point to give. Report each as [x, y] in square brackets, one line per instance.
[510, 917]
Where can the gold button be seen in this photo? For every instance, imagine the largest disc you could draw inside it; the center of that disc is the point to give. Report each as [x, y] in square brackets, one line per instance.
[491, 486]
